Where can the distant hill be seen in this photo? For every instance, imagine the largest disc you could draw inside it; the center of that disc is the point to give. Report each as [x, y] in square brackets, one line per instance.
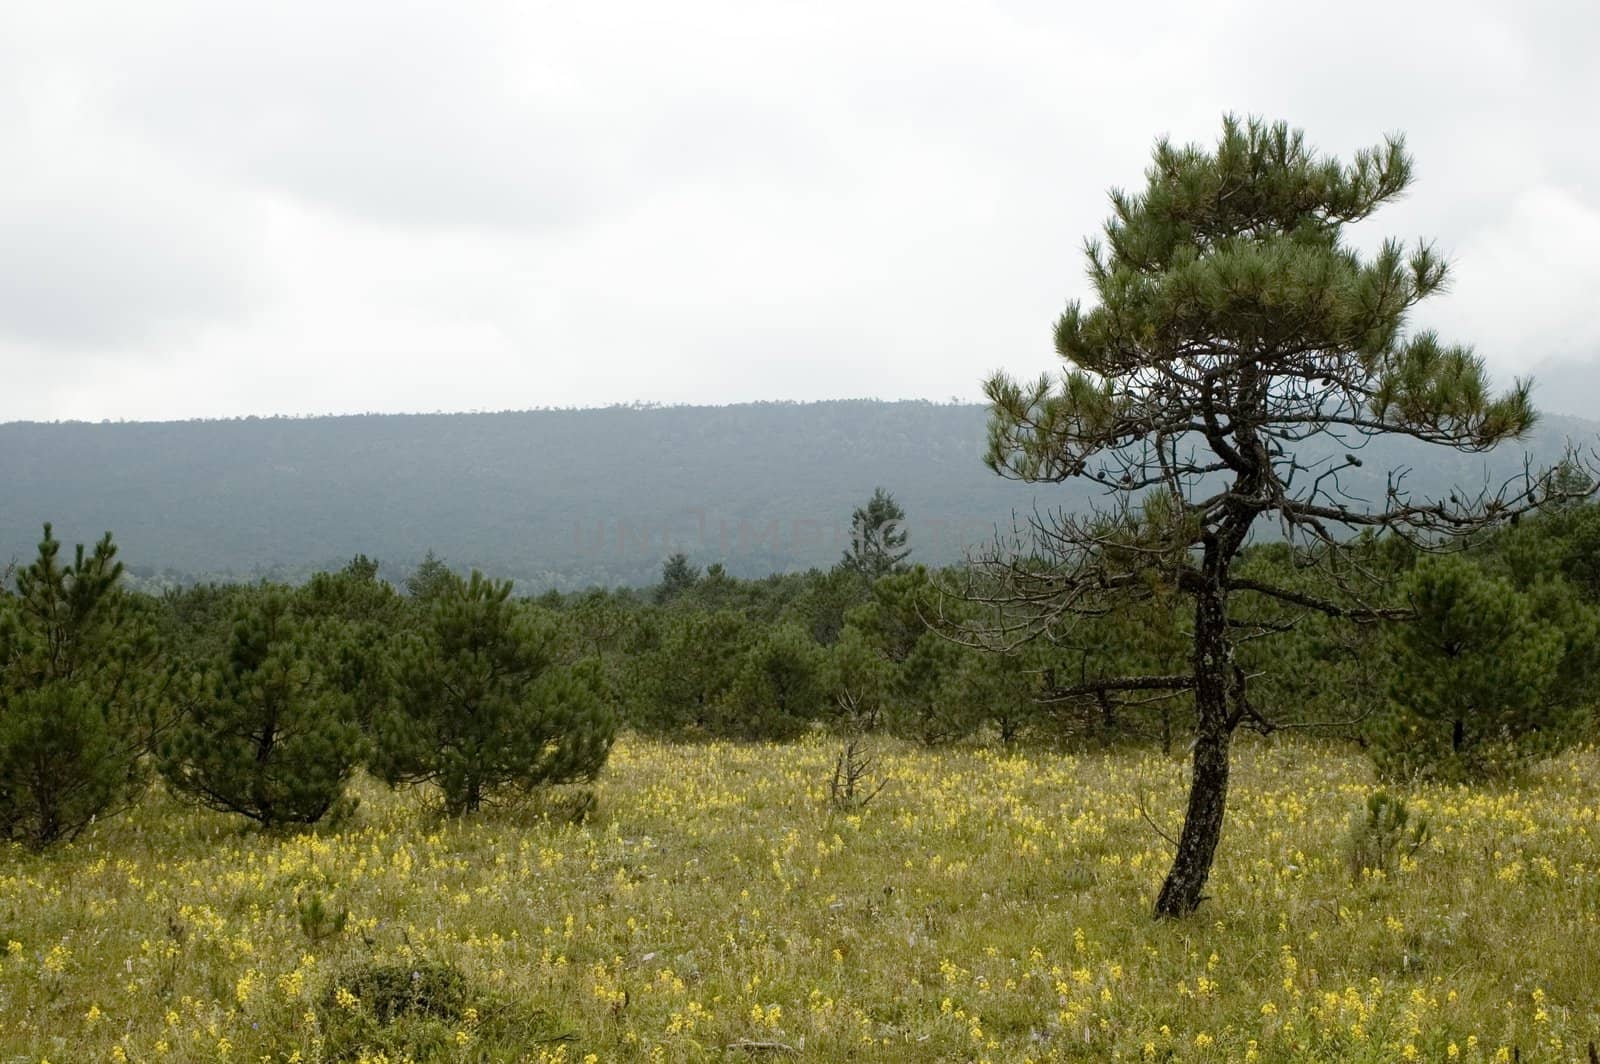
[560, 498]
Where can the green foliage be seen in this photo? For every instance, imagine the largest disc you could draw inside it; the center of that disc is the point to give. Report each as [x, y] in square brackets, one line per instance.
[360, 615]
[1382, 834]
[877, 538]
[1474, 678]
[682, 686]
[481, 705]
[61, 765]
[197, 621]
[1001, 691]
[896, 616]
[270, 735]
[421, 1011]
[1321, 670]
[432, 579]
[388, 991]
[779, 687]
[928, 702]
[317, 919]
[677, 577]
[860, 680]
[823, 601]
[82, 690]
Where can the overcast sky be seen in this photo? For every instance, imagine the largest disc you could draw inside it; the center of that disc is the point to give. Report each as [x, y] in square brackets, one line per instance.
[213, 209]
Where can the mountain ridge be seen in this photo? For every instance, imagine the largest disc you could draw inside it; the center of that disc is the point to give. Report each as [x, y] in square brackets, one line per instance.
[561, 498]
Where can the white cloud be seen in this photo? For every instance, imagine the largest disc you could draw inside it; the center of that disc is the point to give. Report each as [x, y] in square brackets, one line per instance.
[303, 207]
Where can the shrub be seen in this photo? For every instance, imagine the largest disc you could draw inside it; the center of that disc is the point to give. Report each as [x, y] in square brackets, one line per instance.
[419, 1011]
[681, 687]
[1382, 834]
[481, 705]
[928, 703]
[62, 765]
[82, 689]
[1475, 679]
[778, 689]
[270, 736]
[388, 991]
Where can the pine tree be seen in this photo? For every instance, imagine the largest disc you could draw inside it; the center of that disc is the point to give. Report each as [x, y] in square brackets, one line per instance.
[677, 577]
[361, 615]
[927, 702]
[681, 687]
[1240, 355]
[859, 679]
[82, 691]
[270, 736]
[1476, 676]
[778, 688]
[432, 579]
[481, 706]
[877, 538]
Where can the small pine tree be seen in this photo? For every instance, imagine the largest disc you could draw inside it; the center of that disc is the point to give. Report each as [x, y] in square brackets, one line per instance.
[877, 538]
[81, 691]
[1470, 678]
[859, 680]
[681, 687]
[431, 579]
[271, 736]
[361, 614]
[677, 577]
[481, 705]
[779, 687]
[61, 766]
[928, 705]
[1382, 835]
[999, 690]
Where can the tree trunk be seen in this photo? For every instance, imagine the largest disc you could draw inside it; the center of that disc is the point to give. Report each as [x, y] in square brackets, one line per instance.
[1208, 787]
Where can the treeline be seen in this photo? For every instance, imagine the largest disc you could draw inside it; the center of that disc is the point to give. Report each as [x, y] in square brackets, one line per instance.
[562, 499]
[264, 699]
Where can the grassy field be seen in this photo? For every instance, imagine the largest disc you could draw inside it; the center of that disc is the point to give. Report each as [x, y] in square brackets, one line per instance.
[986, 906]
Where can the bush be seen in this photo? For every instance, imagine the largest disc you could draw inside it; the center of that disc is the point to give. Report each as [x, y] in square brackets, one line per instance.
[778, 689]
[858, 679]
[62, 765]
[681, 687]
[82, 689]
[1475, 681]
[269, 737]
[419, 1011]
[481, 705]
[388, 991]
[928, 703]
[1382, 835]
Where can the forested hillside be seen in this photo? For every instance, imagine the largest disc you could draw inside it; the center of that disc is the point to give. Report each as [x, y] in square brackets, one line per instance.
[560, 498]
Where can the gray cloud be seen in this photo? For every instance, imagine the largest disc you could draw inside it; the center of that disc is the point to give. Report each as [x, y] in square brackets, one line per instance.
[307, 207]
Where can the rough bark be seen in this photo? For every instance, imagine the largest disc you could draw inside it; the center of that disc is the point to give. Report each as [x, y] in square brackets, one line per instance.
[1182, 891]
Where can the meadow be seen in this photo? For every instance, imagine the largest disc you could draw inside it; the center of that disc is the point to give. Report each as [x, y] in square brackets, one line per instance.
[711, 904]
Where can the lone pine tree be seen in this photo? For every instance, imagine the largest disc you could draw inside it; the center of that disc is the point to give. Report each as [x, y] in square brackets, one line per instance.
[1240, 355]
